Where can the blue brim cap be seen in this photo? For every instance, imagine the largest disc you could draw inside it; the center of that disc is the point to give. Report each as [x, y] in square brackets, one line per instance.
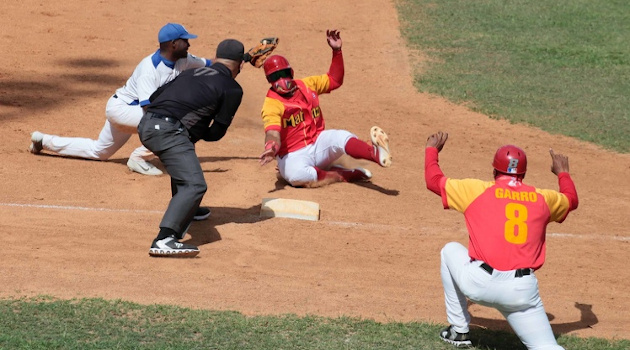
[174, 31]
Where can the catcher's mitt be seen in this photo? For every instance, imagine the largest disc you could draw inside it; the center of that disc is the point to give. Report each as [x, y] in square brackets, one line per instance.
[259, 53]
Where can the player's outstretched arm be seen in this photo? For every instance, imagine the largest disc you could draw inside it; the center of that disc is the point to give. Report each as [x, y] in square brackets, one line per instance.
[432, 173]
[560, 167]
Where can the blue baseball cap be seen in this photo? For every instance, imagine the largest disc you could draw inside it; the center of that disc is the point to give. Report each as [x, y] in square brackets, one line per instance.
[174, 31]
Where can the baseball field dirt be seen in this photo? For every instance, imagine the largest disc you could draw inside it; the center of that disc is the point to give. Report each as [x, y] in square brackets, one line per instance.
[76, 228]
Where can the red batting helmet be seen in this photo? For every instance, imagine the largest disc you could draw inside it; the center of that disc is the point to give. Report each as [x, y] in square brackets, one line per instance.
[510, 159]
[280, 74]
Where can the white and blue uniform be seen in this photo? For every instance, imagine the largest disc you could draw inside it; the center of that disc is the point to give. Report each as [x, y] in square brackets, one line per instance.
[124, 110]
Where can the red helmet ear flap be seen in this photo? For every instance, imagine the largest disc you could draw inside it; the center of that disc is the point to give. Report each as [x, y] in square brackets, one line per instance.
[510, 159]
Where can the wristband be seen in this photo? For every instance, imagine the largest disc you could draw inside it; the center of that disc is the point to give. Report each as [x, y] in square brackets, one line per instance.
[272, 145]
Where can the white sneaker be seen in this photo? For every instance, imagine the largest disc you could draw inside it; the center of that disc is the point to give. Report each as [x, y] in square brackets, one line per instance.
[380, 140]
[143, 167]
[36, 142]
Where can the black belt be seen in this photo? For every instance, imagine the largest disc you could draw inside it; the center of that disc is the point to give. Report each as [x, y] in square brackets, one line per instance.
[171, 120]
[517, 273]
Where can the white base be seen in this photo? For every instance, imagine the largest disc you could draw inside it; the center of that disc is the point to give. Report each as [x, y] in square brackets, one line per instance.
[289, 208]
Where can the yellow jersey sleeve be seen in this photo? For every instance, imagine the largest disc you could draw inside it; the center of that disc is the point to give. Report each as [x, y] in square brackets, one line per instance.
[271, 113]
[458, 194]
[318, 83]
[557, 202]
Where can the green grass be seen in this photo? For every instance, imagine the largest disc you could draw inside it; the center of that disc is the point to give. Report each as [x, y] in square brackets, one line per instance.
[47, 323]
[562, 65]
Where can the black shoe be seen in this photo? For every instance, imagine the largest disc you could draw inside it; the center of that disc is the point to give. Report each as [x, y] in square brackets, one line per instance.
[460, 340]
[171, 247]
[202, 213]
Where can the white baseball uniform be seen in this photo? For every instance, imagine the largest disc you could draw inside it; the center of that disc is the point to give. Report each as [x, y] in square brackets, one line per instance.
[298, 166]
[124, 110]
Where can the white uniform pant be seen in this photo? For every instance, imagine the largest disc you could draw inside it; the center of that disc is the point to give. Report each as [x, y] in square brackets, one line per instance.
[122, 122]
[298, 167]
[516, 298]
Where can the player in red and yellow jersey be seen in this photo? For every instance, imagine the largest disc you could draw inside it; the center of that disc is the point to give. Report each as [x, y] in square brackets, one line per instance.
[295, 131]
[506, 221]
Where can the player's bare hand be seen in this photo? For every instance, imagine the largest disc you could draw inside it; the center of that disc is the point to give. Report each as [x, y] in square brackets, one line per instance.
[334, 39]
[559, 162]
[437, 140]
[267, 156]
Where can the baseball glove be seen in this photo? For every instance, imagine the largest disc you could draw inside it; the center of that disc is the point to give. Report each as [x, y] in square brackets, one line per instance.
[259, 53]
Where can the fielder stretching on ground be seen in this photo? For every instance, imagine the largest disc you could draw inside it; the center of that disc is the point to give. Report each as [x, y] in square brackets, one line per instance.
[125, 108]
[506, 221]
[294, 126]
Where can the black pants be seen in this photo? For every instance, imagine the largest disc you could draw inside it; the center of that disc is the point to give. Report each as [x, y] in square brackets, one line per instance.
[170, 142]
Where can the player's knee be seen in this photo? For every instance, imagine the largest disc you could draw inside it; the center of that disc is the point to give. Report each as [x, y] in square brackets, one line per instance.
[200, 188]
[103, 154]
[300, 179]
[449, 247]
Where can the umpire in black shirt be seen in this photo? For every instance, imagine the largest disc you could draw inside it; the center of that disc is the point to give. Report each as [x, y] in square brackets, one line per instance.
[197, 105]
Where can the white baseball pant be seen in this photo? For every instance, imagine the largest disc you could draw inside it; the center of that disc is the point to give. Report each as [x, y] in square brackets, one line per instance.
[122, 122]
[516, 298]
[298, 167]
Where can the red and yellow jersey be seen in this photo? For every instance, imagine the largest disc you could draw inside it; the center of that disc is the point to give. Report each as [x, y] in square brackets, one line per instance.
[298, 118]
[506, 219]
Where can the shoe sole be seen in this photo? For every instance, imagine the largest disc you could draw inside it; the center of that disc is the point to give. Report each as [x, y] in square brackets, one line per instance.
[183, 253]
[380, 139]
[460, 344]
[201, 217]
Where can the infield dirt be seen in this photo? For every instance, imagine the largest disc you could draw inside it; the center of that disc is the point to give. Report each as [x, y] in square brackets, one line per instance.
[75, 228]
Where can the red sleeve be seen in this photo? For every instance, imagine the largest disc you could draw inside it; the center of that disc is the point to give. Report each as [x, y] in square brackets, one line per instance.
[336, 70]
[567, 187]
[432, 173]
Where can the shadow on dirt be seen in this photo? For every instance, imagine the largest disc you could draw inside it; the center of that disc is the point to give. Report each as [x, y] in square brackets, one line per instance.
[80, 78]
[484, 331]
[205, 232]
[282, 184]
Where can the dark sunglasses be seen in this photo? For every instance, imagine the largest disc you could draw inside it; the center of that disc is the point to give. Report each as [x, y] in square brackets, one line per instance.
[285, 73]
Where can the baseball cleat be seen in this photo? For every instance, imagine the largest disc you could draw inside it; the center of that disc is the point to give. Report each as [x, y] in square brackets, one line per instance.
[460, 340]
[36, 142]
[202, 213]
[143, 167]
[380, 140]
[171, 247]
[352, 175]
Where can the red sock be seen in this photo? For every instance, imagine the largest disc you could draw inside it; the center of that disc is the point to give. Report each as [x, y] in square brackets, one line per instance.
[328, 175]
[321, 174]
[358, 149]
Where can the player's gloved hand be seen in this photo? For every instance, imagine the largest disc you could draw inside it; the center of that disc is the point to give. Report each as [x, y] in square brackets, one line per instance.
[259, 53]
